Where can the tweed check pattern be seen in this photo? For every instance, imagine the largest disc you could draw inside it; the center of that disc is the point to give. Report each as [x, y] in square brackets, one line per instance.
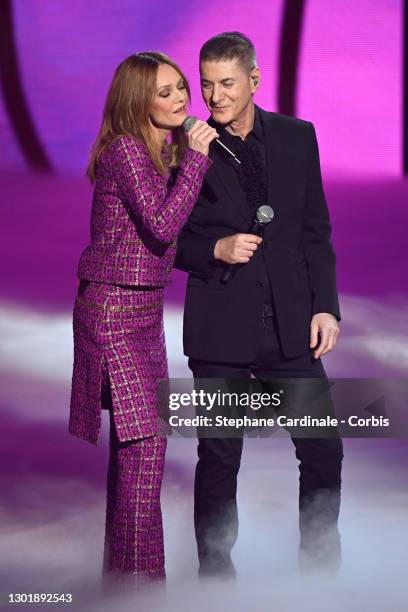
[118, 329]
[119, 344]
[134, 530]
[137, 215]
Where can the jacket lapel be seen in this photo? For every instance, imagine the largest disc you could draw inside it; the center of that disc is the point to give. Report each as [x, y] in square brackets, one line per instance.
[278, 163]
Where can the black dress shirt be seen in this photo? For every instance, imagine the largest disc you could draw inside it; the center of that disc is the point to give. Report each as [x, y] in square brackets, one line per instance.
[252, 173]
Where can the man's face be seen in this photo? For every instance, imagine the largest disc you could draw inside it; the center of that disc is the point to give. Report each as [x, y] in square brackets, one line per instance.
[227, 88]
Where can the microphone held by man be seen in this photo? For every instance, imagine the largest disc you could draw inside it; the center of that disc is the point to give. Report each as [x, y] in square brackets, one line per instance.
[264, 215]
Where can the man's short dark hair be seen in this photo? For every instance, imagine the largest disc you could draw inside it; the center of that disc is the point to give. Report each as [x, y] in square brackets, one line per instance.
[227, 46]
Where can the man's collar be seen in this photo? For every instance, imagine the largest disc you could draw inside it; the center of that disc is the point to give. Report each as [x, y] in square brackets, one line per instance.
[257, 129]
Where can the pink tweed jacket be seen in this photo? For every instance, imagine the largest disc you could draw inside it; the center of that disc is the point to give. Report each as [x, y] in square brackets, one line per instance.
[118, 332]
[137, 215]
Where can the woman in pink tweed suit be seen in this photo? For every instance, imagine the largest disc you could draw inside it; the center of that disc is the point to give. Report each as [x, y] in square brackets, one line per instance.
[145, 188]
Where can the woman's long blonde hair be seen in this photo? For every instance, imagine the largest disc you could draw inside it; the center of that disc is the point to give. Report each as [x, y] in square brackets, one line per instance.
[127, 106]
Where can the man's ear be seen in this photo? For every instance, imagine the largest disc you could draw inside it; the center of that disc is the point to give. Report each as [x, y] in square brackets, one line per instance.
[255, 78]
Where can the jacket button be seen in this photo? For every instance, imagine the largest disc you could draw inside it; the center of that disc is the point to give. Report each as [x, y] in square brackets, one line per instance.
[259, 283]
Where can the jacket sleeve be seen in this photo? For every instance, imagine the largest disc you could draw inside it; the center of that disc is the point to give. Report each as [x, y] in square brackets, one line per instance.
[316, 237]
[195, 253]
[136, 178]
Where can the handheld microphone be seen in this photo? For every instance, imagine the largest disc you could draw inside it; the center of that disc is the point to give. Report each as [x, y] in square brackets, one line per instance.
[188, 124]
[263, 216]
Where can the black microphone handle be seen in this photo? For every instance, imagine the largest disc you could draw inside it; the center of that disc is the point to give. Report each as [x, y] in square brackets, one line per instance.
[229, 271]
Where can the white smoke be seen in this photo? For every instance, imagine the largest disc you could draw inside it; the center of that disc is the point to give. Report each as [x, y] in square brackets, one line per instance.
[52, 519]
[63, 553]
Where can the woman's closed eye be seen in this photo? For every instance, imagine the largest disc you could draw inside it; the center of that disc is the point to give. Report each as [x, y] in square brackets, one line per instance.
[165, 94]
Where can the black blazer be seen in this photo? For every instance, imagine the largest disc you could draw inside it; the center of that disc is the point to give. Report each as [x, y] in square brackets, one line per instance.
[224, 322]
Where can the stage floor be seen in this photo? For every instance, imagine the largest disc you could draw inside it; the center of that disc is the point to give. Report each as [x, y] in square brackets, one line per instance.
[53, 485]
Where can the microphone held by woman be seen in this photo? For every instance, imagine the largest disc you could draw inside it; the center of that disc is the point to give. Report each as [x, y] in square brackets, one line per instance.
[190, 121]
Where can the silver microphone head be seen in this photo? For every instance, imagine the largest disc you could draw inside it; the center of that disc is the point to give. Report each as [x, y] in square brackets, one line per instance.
[264, 214]
[189, 122]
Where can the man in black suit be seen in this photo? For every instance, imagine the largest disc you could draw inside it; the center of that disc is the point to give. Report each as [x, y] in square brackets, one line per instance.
[279, 312]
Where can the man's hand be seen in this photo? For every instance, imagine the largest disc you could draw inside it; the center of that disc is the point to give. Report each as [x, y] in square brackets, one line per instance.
[238, 248]
[325, 324]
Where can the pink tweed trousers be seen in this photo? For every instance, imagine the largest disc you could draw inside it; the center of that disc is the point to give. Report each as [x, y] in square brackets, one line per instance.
[119, 356]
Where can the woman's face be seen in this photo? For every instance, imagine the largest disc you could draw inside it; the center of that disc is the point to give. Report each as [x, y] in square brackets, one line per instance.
[169, 105]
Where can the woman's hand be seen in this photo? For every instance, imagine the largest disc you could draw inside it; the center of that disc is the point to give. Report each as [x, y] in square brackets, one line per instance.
[200, 136]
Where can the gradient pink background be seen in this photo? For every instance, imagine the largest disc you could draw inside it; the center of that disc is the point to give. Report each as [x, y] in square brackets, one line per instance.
[350, 86]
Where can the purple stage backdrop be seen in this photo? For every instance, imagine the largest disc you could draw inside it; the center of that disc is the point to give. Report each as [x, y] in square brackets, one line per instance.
[347, 78]
[349, 85]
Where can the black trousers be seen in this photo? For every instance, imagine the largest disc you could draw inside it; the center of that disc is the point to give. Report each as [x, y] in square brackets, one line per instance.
[215, 488]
